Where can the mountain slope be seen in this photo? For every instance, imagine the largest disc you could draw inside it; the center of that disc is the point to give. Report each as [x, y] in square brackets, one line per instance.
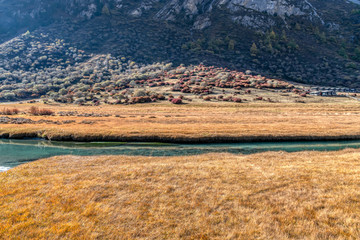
[313, 41]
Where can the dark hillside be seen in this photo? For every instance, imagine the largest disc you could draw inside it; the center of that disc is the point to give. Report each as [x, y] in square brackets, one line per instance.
[315, 42]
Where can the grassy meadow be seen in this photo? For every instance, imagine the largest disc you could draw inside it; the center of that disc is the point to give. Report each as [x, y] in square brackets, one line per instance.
[273, 195]
[337, 117]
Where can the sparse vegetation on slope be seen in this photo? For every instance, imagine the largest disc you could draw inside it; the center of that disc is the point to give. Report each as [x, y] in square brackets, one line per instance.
[36, 65]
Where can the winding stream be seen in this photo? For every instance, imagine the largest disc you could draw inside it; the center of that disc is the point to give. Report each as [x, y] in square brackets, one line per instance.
[16, 152]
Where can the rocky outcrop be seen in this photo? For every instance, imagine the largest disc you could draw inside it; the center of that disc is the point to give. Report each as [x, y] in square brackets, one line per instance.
[239, 10]
[19, 13]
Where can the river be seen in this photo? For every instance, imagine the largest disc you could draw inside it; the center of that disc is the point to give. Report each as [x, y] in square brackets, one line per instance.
[16, 152]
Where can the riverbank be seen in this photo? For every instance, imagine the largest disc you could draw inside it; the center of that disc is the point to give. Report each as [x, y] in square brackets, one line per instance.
[273, 195]
[196, 123]
[177, 140]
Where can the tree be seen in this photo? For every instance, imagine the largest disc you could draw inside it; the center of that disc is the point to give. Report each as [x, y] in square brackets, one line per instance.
[231, 45]
[272, 35]
[105, 10]
[342, 52]
[253, 50]
[63, 91]
[357, 53]
[9, 95]
[292, 45]
[283, 36]
[270, 48]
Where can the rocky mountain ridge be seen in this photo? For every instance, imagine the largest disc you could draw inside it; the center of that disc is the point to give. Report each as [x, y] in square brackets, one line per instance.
[14, 12]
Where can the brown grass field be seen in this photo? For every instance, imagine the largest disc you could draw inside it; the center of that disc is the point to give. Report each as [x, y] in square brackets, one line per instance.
[274, 195]
[335, 117]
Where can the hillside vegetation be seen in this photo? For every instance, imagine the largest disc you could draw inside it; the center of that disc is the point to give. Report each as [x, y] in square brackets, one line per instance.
[37, 65]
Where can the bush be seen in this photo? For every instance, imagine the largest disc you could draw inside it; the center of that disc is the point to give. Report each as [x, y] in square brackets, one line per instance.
[40, 112]
[176, 101]
[161, 97]
[139, 93]
[34, 111]
[238, 100]
[45, 112]
[8, 111]
[145, 99]
[79, 101]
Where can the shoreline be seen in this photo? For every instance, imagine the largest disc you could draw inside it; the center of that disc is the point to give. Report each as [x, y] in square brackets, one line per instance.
[178, 140]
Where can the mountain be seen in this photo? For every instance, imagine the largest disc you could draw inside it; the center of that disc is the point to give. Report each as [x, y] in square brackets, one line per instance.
[308, 41]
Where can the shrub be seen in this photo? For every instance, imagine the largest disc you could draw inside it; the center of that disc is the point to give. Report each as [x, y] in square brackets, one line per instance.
[79, 101]
[45, 112]
[145, 99]
[15, 111]
[139, 93]
[141, 99]
[40, 112]
[8, 111]
[186, 90]
[9, 96]
[161, 97]
[207, 98]
[176, 101]
[238, 100]
[34, 111]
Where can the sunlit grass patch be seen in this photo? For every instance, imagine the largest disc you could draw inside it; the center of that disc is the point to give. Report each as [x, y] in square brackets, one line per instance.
[273, 195]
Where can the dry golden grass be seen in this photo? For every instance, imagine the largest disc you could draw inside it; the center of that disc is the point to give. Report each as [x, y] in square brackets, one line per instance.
[275, 195]
[194, 121]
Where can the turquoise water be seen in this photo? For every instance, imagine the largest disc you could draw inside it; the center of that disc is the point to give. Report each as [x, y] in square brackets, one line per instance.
[16, 152]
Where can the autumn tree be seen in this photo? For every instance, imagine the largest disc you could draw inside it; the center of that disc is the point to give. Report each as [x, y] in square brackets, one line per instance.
[254, 50]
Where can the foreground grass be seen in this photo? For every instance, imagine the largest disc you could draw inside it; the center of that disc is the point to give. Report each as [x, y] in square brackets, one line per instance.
[165, 122]
[275, 195]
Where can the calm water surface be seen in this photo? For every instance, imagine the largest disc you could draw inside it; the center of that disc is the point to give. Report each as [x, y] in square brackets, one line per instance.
[16, 152]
